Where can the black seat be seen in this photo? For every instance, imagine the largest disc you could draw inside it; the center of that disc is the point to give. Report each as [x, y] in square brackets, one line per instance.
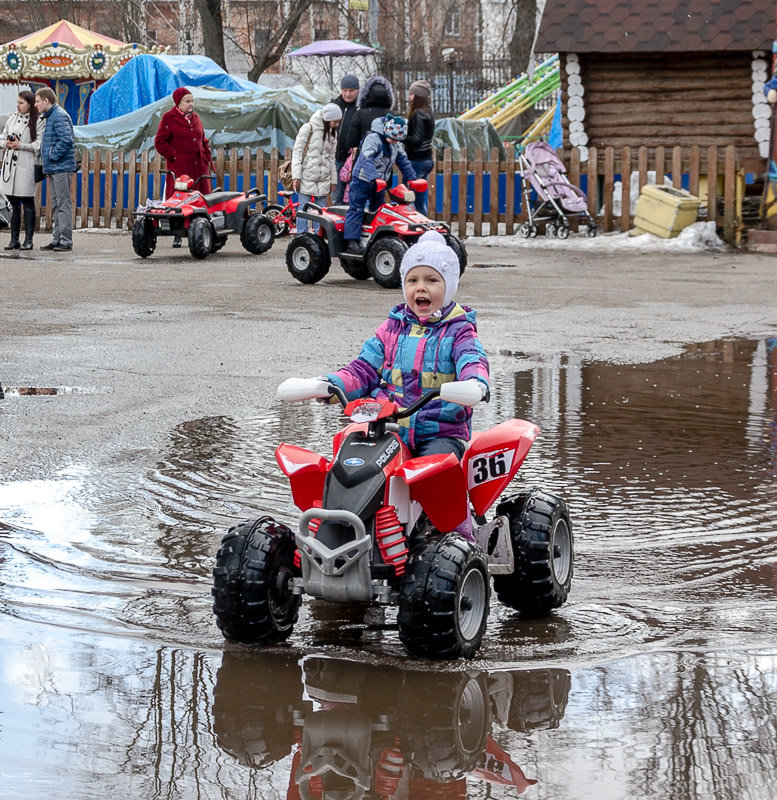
[220, 197]
[339, 210]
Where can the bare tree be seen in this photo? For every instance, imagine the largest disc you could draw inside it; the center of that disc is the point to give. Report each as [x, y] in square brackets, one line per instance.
[212, 30]
[522, 40]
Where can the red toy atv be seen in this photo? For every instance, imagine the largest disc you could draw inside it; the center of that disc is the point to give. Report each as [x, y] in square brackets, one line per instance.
[379, 526]
[205, 219]
[386, 235]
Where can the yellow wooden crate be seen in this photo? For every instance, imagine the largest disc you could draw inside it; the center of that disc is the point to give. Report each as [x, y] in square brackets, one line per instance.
[664, 210]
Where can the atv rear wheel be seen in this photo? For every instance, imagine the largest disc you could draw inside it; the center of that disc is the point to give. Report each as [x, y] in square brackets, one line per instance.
[218, 243]
[543, 549]
[200, 237]
[455, 244]
[252, 582]
[258, 234]
[143, 237]
[307, 258]
[444, 599]
[383, 260]
[275, 213]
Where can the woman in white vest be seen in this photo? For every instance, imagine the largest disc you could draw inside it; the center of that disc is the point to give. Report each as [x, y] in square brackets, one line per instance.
[20, 143]
[313, 169]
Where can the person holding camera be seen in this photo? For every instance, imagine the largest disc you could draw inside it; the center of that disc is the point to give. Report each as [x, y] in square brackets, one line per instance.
[20, 143]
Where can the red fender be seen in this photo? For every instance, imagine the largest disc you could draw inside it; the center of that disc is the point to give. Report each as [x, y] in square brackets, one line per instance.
[493, 458]
[306, 472]
[437, 483]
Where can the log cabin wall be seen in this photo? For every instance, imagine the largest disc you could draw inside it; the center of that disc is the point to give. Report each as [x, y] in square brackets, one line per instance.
[667, 99]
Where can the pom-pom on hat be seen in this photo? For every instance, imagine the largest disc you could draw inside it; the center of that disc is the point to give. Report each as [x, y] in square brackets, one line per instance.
[331, 112]
[394, 127]
[420, 89]
[179, 94]
[432, 251]
[349, 82]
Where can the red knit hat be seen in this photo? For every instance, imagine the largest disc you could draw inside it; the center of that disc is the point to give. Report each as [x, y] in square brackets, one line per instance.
[179, 94]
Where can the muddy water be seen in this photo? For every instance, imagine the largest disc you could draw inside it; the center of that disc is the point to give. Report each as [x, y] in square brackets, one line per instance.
[657, 679]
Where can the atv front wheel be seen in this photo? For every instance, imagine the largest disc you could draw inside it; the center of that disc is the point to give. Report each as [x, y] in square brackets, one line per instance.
[444, 599]
[258, 234]
[455, 244]
[200, 237]
[143, 237]
[384, 259]
[306, 258]
[543, 549]
[252, 582]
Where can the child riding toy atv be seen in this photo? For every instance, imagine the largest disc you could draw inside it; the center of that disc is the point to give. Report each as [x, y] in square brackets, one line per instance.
[386, 235]
[205, 219]
[380, 526]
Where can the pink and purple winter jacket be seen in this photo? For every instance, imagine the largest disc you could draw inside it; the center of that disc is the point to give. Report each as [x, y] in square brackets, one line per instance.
[407, 358]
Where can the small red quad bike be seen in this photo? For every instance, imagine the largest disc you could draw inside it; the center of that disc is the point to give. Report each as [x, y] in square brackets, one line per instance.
[386, 235]
[378, 525]
[206, 220]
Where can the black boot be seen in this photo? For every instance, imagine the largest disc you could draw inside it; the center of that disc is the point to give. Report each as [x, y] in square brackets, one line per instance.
[29, 226]
[16, 224]
[177, 240]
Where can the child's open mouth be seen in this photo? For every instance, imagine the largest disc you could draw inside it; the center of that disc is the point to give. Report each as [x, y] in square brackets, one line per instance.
[423, 303]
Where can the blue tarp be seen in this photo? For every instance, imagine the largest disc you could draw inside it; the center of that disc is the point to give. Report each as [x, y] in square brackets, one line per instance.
[147, 78]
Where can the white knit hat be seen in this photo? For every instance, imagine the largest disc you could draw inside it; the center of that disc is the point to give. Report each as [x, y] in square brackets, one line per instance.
[432, 251]
[331, 112]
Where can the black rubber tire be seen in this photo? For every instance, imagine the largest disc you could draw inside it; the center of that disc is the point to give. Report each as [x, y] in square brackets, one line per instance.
[253, 601]
[447, 732]
[200, 237]
[143, 237]
[539, 699]
[383, 261]
[444, 598]
[543, 549]
[307, 258]
[461, 253]
[218, 243]
[258, 234]
[275, 213]
[356, 269]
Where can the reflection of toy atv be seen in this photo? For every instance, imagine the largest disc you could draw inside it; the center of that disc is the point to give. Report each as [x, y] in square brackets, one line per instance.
[205, 219]
[377, 525]
[386, 235]
[378, 731]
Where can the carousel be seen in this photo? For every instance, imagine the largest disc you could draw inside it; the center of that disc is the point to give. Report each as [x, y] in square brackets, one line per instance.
[70, 59]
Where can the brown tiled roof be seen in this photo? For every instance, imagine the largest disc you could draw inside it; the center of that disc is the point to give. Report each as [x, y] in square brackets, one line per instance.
[649, 26]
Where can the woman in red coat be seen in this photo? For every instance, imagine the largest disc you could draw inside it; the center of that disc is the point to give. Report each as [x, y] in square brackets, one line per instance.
[181, 140]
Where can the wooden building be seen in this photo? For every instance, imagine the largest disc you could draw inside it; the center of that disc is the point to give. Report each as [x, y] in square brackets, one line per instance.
[663, 73]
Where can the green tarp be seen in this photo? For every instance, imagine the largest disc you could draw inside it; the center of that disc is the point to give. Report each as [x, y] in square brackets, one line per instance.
[258, 121]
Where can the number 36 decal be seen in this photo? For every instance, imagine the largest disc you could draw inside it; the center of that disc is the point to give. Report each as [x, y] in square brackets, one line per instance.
[489, 467]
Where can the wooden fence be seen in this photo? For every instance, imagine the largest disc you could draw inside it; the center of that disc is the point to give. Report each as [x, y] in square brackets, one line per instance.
[476, 194]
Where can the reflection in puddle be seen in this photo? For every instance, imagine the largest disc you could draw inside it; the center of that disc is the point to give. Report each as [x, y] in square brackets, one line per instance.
[670, 470]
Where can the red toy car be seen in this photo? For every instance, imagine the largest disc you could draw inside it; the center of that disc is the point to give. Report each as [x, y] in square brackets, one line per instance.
[378, 525]
[205, 219]
[386, 235]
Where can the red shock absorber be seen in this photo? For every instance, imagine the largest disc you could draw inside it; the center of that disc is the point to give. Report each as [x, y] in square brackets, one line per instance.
[389, 771]
[390, 535]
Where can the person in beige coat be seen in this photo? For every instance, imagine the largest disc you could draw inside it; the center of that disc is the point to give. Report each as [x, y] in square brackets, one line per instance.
[313, 169]
[20, 148]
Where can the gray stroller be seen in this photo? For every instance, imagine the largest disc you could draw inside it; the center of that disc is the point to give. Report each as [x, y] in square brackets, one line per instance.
[557, 199]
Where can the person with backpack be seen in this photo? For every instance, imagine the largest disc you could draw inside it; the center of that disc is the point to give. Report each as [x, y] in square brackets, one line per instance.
[380, 150]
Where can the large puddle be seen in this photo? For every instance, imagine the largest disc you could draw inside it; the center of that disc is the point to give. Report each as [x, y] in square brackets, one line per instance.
[657, 679]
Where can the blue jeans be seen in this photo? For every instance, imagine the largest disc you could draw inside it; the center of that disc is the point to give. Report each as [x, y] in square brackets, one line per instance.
[302, 224]
[360, 195]
[337, 195]
[422, 168]
[442, 444]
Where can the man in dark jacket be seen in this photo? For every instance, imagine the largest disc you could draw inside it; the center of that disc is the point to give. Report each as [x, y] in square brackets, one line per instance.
[57, 152]
[349, 89]
[376, 99]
